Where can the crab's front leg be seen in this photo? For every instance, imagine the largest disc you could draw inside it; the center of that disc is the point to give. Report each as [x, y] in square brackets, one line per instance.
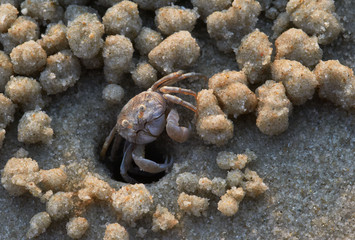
[127, 162]
[174, 131]
[147, 165]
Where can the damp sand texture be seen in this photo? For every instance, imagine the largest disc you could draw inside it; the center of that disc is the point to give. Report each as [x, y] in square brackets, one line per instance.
[308, 168]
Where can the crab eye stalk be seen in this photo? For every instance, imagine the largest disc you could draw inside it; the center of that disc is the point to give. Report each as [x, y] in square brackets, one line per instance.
[141, 108]
[125, 123]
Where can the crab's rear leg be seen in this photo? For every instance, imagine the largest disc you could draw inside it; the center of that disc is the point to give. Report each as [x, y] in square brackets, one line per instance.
[166, 79]
[174, 131]
[107, 143]
[147, 165]
[170, 89]
[177, 100]
[175, 77]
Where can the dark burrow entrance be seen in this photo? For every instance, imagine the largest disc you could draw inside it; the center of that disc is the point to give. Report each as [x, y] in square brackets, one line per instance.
[153, 151]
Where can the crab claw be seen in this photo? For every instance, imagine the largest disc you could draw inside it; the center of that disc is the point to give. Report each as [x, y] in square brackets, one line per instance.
[146, 164]
[174, 131]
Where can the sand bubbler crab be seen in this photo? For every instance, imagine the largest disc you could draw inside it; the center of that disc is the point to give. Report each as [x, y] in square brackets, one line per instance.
[144, 118]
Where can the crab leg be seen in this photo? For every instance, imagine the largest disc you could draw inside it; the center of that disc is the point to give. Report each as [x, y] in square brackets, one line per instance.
[126, 162]
[107, 143]
[146, 164]
[169, 89]
[174, 131]
[115, 148]
[177, 100]
[165, 79]
[173, 78]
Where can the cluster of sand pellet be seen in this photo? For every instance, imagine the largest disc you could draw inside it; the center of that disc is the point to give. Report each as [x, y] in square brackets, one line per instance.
[300, 83]
[7, 110]
[295, 44]
[6, 70]
[248, 183]
[60, 205]
[77, 227]
[230, 26]
[281, 24]
[144, 75]
[34, 127]
[205, 184]
[53, 179]
[291, 80]
[254, 56]
[147, 39]
[212, 124]
[8, 15]
[206, 7]
[191, 183]
[20, 175]
[254, 185]
[336, 83]
[316, 18]
[123, 18]
[240, 184]
[38, 224]
[22, 29]
[84, 35]
[28, 58]
[115, 231]
[229, 160]
[94, 188]
[187, 182]
[113, 93]
[174, 19]
[274, 108]
[228, 92]
[40, 10]
[117, 54]
[131, 202]
[192, 204]
[229, 203]
[74, 37]
[232, 92]
[62, 71]
[163, 219]
[54, 39]
[73, 11]
[24, 91]
[178, 51]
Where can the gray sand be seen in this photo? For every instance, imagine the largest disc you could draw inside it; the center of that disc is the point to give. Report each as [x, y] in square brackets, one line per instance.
[309, 169]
